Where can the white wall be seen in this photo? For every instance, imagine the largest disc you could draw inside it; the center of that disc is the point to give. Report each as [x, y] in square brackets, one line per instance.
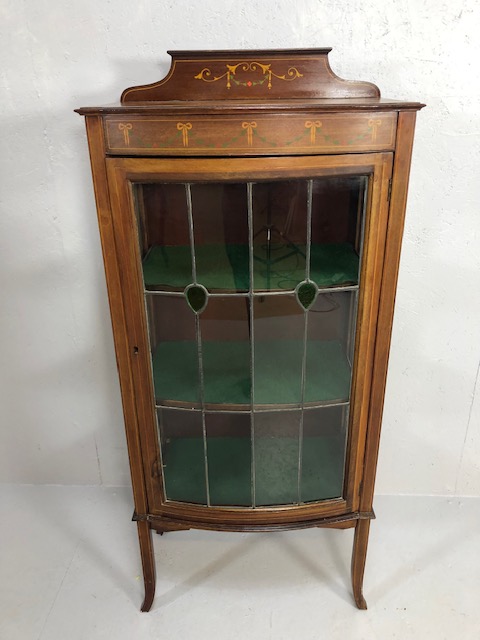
[60, 409]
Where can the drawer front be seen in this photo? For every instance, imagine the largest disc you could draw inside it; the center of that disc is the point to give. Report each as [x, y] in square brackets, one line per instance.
[254, 134]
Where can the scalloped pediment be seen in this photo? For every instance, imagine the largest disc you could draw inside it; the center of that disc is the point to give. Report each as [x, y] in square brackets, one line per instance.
[249, 75]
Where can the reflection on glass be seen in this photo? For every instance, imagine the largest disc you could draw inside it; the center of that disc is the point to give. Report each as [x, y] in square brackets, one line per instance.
[163, 233]
[276, 446]
[278, 350]
[220, 225]
[279, 234]
[226, 353]
[183, 455]
[323, 453]
[174, 350]
[328, 369]
[337, 223]
[229, 458]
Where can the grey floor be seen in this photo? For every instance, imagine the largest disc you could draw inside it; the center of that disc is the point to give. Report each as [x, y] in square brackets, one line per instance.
[70, 570]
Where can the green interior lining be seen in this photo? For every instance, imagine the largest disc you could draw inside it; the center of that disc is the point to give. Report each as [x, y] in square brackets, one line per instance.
[276, 469]
[226, 370]
[222, 266]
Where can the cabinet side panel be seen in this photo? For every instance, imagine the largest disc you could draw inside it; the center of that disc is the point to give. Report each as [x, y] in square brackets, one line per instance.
[401, 170]
[97, 159]
[370, 287]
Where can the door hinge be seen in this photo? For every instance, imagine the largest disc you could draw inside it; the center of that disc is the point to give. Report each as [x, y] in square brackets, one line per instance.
[389, 194]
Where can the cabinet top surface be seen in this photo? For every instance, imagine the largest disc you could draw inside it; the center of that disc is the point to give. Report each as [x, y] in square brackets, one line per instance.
[253, 80]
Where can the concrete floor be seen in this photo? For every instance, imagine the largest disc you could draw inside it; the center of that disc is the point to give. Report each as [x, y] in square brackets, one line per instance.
[70, 570]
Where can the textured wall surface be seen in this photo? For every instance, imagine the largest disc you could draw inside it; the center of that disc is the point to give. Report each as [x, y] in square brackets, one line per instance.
[60, 410]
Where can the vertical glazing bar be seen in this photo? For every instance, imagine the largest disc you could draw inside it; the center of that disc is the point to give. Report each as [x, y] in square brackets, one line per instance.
[352, 321]
[152, 340]
[366, 188]
[198, 334]
[188, 190]
[252, 336]
[352, 314]
[309, 229]
[198, 338]
[142, 239]
[366, 185]
[305, 339]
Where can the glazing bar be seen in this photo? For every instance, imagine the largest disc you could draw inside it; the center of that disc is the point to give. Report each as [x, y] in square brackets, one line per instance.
[309, 228]
[340, 403]
[175, 408]
[255, 294]
[352, 328]
[252, 335]
[350, 287]
[305, 338]
[352, 321]
[267, 409]
[198, 338]
[150, 360]
[178, 294]
[367, 184]
[198, 334]
[188, 189]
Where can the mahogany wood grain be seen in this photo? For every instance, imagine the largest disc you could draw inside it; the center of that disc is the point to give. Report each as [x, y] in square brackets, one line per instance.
[266, 115]
[260, 134]
[396, 219]
[148, 563]
[247, 75]
[359, 555]
[243, 107]
[341, 521]
[116, 300]
[401, 169]
[370, 281]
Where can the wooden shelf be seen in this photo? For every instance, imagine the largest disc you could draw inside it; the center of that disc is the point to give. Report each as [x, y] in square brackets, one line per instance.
[227, 377]
[226, 267]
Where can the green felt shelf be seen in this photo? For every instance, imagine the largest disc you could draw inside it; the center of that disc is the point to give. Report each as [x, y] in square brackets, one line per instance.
[226, 370]
[226, 267]
[276, 470]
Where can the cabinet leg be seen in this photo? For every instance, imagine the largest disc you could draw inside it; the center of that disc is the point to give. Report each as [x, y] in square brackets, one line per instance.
[148, 563]
[359, 555]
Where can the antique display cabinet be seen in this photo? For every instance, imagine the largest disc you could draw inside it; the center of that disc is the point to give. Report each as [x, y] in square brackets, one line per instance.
[251, 208]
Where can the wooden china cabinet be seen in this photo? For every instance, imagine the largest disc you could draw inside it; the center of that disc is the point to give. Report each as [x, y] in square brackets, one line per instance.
[251, 207]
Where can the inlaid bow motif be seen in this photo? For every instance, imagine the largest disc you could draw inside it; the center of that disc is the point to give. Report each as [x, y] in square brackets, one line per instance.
[126, 128]
[373, 125]
[249, 126]
[184, 127]
[313, 125]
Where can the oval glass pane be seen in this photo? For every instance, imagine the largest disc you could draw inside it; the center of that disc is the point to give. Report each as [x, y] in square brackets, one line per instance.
[306, 294]
[197, 297]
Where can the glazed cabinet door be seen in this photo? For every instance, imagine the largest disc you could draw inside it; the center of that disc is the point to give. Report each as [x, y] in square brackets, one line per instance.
[251, 291]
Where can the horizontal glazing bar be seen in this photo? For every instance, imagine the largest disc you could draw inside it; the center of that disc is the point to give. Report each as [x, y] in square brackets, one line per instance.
[350, 287]
[179, 294]
[272, 409]
[229, 507]
[255, 294]
[177, 408]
